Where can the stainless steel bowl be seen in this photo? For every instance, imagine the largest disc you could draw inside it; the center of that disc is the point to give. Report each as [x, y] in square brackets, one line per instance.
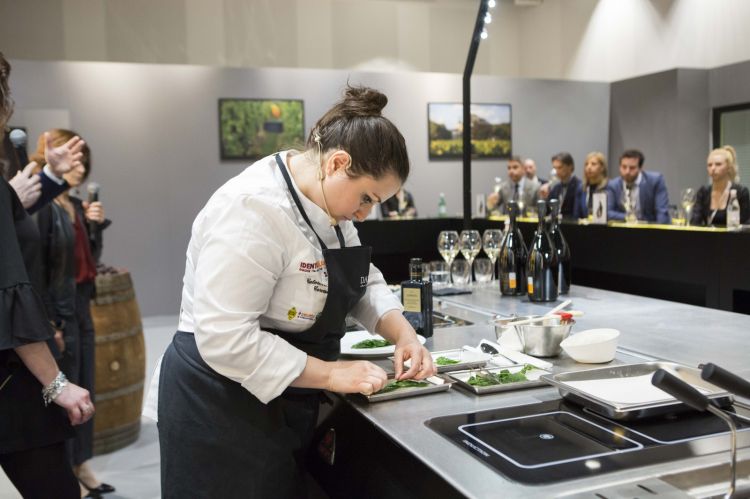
[501, 325]
[543, 341]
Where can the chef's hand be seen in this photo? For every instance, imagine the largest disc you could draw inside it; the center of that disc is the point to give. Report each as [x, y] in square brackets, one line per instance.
[27, 185]
[359, 376]
[63, 158]
[94, 211]
[421, 360]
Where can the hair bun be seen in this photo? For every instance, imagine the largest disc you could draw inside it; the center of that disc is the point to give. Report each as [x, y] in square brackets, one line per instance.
[363, 101]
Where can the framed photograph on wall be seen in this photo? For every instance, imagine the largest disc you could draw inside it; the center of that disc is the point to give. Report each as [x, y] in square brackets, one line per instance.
[490, 130]
[255, 128]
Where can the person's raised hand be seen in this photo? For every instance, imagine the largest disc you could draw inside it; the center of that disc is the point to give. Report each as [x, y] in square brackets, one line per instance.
[62, 159]
[359, 376]
[27, 185]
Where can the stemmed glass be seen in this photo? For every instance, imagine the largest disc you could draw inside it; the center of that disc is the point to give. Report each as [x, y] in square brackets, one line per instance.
[492, 239]
[688, 200]
[470, 245]
[447, 244]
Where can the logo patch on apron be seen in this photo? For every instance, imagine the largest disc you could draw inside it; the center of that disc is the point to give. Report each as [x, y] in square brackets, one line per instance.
[292, 313]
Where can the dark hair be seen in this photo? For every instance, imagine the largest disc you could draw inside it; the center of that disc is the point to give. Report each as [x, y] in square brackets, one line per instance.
[356, 125]
[634, 153]
[59, 137]
[564, 158]
[515, 159]
[6, 102]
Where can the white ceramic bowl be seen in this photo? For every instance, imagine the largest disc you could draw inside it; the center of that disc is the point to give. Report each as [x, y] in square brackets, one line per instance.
[593, 346]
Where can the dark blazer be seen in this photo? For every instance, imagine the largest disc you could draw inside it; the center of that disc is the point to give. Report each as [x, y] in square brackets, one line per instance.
[568, 205]
[652, 194]
[702, 207]
[50, 190]
[582, 203]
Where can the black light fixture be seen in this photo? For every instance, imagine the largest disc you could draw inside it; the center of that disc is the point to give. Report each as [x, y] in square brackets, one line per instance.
[480, 33]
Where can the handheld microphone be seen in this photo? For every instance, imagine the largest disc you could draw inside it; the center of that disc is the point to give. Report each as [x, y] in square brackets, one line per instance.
[93, 190]
[18, 139]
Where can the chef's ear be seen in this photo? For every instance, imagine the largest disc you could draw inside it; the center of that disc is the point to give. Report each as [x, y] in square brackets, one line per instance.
[338, 162]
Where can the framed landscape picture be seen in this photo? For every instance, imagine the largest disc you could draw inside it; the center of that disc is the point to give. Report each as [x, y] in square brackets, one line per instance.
[490, 130]
[255, 128]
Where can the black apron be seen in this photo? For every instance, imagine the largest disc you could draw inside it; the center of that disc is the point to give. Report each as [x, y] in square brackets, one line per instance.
[216, 438]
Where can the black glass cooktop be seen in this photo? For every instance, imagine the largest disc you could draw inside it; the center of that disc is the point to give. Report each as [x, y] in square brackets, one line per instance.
[556, 441]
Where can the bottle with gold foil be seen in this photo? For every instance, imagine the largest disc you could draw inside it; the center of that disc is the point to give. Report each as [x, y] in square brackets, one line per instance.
[416, 296]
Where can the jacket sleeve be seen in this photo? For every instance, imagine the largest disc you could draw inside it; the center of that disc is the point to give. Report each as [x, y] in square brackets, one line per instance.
[661, 201]
[580, 208]
[50, 190]
[701, 206]
[613, 204]
[743, 196]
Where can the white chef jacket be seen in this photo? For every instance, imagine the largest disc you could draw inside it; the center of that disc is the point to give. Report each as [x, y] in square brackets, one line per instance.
[253, 263]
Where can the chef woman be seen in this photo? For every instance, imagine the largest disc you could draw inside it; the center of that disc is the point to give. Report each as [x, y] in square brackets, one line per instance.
[274, 265]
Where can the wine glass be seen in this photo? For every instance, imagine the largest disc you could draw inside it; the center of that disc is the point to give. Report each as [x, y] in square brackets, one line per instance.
[688, 200]
[491, 240]
[470, 245]
[448, 245]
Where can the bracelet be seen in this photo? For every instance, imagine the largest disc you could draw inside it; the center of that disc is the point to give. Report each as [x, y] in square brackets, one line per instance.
[55, 388]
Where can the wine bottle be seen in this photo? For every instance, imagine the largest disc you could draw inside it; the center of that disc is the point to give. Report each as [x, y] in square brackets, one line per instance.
[416, 296]
[512, 257]
[733, 211]
[541, 278]
[442, 207]
[561, 247]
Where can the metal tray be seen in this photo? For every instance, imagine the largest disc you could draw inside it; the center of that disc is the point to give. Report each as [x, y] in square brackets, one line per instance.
[462, 378]
[465, 358]
[435, 386]
[608, 394]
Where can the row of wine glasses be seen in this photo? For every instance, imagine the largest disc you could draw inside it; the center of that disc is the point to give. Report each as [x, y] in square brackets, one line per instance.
[469, 243]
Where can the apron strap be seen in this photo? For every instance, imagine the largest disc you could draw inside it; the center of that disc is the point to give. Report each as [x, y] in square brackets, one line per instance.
[293, 192]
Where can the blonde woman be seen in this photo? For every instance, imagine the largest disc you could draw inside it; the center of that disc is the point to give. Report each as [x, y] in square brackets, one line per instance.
[712, 200]
[594, 180]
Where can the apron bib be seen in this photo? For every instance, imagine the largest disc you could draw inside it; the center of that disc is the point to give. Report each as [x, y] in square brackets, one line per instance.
[216, 438]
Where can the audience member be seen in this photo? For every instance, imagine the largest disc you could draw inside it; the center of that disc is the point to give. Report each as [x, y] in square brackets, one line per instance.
[518, 188]
[641, 192]
[70, 254]
[529, 166]
[399, 205]
[569, 186]
[594, 181]
[711, 200]
[32, 432]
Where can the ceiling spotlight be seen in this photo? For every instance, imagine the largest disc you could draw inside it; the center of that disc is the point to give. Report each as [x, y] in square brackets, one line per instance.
[484, 34]
[491, 4]
[488, 18]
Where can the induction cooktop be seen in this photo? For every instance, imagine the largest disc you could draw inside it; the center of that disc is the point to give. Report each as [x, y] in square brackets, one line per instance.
[555, 441]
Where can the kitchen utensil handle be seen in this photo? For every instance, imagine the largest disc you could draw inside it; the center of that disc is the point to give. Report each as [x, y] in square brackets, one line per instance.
[729, 381]
[559, 307]
[679, 389]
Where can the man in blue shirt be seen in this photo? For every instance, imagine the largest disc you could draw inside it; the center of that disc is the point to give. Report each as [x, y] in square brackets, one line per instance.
[638, 194]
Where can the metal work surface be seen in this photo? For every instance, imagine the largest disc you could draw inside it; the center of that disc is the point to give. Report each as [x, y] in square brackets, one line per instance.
[651, 329]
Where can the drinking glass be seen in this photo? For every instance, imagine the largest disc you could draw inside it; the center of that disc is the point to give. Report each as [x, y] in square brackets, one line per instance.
[440, 274]
[470, 245]
[448, 245]
[460, 272]
[491, 241]
[688, 201]
[483, 269]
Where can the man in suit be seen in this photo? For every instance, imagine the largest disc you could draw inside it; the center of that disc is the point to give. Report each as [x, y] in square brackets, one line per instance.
[519, 188]
[529, 165]
[568, 187]
[644, 192]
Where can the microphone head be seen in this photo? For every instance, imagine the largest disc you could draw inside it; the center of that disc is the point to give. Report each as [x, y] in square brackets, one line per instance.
[93, 188]
[17, 137]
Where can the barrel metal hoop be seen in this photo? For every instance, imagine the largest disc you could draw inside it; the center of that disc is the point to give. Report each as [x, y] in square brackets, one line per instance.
[119, 335]
[125, 390]
[119, 296]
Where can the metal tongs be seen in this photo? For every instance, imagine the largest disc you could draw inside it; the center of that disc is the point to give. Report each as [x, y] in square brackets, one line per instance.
[686, 393]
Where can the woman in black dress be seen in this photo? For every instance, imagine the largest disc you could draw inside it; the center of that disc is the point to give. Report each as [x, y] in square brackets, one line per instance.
[712, 200]
[32, 430]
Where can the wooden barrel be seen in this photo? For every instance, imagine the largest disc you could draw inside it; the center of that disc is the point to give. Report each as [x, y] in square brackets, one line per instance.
[120, 363]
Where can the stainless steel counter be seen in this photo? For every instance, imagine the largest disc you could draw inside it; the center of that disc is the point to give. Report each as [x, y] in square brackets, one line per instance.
[650, 329]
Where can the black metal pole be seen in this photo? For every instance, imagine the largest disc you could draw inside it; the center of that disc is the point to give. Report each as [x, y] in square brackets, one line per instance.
[473, 47]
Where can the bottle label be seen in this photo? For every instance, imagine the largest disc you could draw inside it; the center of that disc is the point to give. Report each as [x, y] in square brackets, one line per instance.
[411, 299]
[512, 280]
[530, 285]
